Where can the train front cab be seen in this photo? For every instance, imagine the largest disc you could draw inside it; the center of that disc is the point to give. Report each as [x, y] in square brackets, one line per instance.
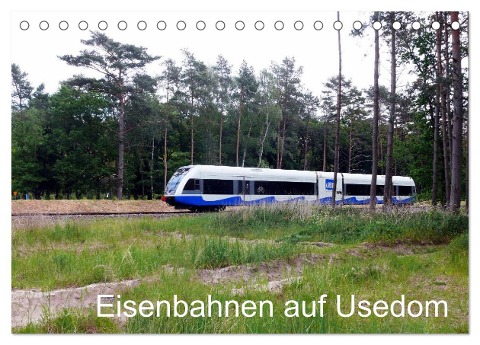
[174, 184]
[186, 188]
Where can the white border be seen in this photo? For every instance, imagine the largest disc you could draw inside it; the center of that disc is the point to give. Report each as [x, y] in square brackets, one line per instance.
[212, 5]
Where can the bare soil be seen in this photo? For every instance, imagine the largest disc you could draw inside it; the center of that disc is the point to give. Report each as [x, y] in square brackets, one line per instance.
[401, 249]
[88, 206]
[33, 305]
[273, 270]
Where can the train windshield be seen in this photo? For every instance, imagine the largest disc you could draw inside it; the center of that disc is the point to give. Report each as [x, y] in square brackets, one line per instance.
[175, 180]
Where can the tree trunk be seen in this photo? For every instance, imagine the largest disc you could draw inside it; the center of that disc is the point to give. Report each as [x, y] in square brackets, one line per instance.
[165, 163]
[152, 168]
[435, 140]
[165, 139]
[388, 191]
[191, 130]
[121, 146]
[381, 156]
[447, 96]
[325, 146]
[278, 146]
[282, 142]
[440, 83]
[337, 124]
[220, 139]
[350, 146]
[305, 148]
[467, 199]
[376, 111]
[237, 146]
[456, 192]
[142, 177]
[263, 138]
[284, 134]
[435, 148]
[245, 145]
[191, 138]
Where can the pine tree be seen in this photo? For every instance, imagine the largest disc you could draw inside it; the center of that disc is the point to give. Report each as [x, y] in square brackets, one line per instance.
[337, 120]
[119, 64]
[456, 191]
[376, 115]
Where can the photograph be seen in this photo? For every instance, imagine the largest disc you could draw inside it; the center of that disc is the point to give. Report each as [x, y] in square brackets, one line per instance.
[239, 172]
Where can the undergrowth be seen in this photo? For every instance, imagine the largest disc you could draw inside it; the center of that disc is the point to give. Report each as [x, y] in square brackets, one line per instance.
[80, 253]
[346, 224]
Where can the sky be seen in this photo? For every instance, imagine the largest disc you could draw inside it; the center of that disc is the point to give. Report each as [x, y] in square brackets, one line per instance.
[36, 51]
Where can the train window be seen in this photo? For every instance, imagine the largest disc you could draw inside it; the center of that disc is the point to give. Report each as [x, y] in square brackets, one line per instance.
[284, 188]
[357, 189]
[243, 187]
[247, 187]
[175, 180]
[380, 189]
[263, 188]
[405, 190]
[192, 185]
[217, 186]
[362, 189]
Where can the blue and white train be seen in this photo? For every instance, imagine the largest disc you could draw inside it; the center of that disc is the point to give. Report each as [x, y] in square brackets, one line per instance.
[209, 187]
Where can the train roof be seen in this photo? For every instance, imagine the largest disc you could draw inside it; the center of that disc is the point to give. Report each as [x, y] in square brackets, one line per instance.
[220, 171]
[216, 171]
[367, 179]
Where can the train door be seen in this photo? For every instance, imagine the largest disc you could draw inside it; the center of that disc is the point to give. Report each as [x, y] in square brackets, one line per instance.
[339, 194]
[325, 186]
[341, 188]
[245, 188]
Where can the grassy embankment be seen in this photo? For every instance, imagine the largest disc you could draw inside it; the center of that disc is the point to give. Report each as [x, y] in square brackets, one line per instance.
[423, 256]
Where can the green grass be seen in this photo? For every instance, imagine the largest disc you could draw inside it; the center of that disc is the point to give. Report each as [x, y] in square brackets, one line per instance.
[218, 252]
[288, 222]
[79, 253]
[347, 225]
[129, 255]
[72, 322]
[379, 276]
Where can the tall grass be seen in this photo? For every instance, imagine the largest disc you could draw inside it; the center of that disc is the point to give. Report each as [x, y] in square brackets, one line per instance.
[347, 224]
[219, 252]
[49, 268]
[80, 253]
[458, 253]
[379, 276]
[72, 322]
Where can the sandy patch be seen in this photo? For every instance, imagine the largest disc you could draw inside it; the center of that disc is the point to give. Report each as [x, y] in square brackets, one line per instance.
[401, 249]
[272, 270]
[274, 286]
[88, 206]
[32, 305]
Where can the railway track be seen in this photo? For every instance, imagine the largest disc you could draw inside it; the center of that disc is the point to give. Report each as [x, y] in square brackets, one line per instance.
[101, 214]
[36, 219]
[28, 220]
[410, 208]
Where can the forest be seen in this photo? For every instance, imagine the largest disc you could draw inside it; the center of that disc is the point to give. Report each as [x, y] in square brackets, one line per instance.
[123, 133]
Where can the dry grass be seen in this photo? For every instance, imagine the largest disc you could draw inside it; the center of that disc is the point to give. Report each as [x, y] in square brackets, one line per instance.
[87, 206]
